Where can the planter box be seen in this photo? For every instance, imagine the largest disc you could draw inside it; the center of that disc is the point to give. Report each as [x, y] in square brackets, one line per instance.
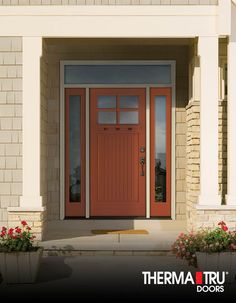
[20, 267]
[224, 261]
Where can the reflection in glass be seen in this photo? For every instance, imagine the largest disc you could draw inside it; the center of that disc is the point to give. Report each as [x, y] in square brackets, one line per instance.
[107, 102]
[107, 117]
[160, 148]
[117, 74]
[74, 148]
[128, 101]
[129, 117]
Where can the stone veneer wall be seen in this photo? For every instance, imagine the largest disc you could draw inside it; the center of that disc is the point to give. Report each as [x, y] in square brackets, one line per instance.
[108, 2]
[222, 137]
[35, 219]
[192, 161]
[10, 124]
[205, 218]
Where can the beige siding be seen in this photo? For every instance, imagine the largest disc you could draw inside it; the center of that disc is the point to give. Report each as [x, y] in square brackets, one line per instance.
[10, 123]
[108, 2]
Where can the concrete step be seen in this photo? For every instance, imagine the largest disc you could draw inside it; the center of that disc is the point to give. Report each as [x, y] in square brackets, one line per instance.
[80, 225]
[75, 253]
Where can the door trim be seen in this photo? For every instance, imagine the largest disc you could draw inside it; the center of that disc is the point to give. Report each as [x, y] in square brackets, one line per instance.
[147, 86]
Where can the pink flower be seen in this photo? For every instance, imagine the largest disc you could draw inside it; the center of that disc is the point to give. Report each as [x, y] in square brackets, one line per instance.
[224, 227]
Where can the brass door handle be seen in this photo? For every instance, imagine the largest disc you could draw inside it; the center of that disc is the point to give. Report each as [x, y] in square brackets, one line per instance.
[142, 162]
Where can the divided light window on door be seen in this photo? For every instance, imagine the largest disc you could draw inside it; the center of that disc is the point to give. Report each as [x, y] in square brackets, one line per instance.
[118, 110]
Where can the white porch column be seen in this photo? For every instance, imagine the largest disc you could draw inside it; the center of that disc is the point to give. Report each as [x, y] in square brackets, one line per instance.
[32, 51]
[208, 52]
[231, 118]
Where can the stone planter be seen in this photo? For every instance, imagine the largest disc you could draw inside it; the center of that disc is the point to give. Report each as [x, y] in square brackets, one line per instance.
[20, 267]
[224, 261]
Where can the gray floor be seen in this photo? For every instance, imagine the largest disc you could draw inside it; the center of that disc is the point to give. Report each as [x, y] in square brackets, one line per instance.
[77, 235]
[102, 277]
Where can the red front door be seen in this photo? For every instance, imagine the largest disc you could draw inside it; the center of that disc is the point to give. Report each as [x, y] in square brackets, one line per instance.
[117, 152]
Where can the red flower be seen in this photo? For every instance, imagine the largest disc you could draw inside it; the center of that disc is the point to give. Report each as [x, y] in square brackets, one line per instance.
[4, 228]
[24, 223]
[3, 233]
[224, 227]
[28, 228]
[10, 231]
[222, 223]
[18, 230]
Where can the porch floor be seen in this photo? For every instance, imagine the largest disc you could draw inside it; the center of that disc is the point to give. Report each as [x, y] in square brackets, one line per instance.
[77, 236]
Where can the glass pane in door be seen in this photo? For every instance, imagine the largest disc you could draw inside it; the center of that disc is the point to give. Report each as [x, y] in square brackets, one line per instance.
[160, 148]
[106, 102]
[129, 117]
[128, 101]
[106, 117]
[75, 149]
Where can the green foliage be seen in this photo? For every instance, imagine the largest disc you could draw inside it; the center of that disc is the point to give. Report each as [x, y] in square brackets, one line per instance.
[17, 239]
[206, 240]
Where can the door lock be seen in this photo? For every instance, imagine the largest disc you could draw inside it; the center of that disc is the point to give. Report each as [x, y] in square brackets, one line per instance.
[142, 162]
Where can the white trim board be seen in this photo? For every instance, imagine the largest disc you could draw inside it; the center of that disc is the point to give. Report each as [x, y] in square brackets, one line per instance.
[87, 87]
[115, 20]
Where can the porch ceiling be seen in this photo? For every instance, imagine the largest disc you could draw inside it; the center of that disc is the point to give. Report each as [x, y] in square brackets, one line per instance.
[67, 44]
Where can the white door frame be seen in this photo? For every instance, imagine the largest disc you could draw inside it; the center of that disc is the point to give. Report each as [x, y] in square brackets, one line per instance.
[87, 87]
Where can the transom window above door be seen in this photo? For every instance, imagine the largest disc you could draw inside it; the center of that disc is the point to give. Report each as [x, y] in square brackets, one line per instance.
[131, 73]
[122, 109]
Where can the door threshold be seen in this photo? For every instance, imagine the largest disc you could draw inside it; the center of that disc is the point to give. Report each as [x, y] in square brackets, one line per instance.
[117, 218]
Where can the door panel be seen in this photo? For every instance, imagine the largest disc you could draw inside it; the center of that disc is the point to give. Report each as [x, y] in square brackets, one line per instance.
[117, 132]
[75, 152]
[160, 152]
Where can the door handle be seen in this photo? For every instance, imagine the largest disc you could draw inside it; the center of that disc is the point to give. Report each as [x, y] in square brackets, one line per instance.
[142, 162]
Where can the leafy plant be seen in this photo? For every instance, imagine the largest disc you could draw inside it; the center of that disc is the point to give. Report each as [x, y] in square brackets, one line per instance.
[17, 239]
[206, 240]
